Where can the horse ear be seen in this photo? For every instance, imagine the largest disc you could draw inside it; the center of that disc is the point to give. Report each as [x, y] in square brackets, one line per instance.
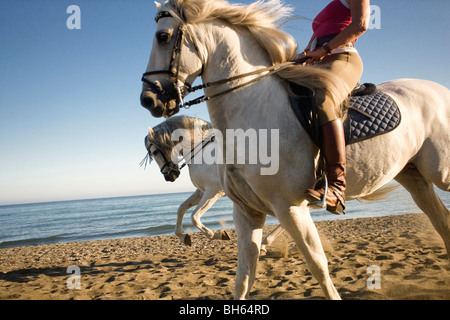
[150, 132]
[157, 5]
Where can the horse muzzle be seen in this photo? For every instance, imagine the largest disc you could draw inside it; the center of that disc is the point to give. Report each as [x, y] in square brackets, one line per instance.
[172, 175]
[160, 105]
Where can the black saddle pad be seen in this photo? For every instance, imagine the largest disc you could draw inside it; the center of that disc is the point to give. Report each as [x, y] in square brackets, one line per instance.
[367, 115]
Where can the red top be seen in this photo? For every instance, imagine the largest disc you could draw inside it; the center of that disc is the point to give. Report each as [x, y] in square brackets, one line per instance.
[333, 19]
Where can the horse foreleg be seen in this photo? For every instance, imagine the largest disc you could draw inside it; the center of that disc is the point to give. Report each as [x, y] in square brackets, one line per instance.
[193, 200]
[426, 198]
[249, 235]
[297, 221]
[208, 199]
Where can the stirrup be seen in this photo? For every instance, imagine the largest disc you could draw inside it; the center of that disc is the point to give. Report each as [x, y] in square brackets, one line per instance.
[323, 202]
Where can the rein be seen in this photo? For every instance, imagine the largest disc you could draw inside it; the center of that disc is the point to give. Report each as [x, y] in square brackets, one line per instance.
[270, 71]
[185, 89]
[193, 153]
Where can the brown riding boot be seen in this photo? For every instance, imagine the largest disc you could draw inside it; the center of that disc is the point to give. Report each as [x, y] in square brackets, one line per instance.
[333, 148]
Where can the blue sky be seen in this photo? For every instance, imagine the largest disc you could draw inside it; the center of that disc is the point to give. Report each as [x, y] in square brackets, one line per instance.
[71, 126]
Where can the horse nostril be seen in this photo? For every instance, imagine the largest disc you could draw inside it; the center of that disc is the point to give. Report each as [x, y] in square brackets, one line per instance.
[169, 178]
[172, 175]
[148, 99]
[157, 112]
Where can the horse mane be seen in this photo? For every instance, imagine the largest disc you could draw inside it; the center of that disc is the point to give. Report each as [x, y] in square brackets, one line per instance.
[263, 20]
[162, 133]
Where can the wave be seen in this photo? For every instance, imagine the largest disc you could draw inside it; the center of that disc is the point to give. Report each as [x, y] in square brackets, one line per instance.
[30, 242]
[164, 229]
[158, 230]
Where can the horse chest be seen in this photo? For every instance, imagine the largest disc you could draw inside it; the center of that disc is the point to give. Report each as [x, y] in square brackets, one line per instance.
[240, 187]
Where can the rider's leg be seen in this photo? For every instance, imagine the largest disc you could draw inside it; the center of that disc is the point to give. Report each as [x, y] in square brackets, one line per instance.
[349, 67]
[333, 149]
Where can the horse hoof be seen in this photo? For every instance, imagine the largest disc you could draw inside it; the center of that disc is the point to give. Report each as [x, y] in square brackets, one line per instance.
[224, 235]
[187, 240]
[263, 250]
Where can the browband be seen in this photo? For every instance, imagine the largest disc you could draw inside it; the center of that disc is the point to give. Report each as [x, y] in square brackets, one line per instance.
[162, 14]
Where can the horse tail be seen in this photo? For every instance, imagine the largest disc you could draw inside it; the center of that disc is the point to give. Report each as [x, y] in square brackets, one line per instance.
[380, 194]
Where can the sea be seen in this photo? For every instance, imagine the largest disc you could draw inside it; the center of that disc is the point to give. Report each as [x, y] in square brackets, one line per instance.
[149, 215]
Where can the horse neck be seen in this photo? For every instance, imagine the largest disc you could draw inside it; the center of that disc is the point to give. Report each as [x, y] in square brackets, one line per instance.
[263, 105]
[232, 52]
[191, 136]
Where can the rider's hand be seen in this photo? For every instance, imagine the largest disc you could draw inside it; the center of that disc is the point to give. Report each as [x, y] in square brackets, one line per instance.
[316, 55]
[303, 55]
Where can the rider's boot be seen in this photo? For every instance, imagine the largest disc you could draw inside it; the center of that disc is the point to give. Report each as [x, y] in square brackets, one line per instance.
[333, 149]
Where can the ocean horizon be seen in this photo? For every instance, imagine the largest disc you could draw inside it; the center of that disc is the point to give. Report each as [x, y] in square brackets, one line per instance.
[33, 224]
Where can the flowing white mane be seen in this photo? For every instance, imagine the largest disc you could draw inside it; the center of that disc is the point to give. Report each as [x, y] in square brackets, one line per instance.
[263, 20]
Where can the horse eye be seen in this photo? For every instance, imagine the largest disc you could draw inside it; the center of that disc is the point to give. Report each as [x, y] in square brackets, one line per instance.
[163, 37]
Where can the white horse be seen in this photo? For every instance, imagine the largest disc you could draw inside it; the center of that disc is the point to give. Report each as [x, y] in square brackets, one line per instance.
[216, 40]
[204, 177]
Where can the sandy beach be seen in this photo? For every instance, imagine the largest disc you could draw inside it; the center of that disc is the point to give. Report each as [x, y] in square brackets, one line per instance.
[408, 253]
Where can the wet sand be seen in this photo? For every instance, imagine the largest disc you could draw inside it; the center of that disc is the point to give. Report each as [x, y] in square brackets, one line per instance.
[405, 249]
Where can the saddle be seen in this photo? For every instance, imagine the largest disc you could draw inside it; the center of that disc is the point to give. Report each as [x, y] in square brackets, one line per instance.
[368, 113]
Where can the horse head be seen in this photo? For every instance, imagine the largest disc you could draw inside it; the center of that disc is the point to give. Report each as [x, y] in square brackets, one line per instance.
[176, 140]
[162, 156]
[174, 65]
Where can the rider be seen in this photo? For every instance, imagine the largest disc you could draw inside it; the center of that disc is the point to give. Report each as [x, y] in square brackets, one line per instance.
[332, 47]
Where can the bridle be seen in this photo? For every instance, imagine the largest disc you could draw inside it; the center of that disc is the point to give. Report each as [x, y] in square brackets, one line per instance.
[174, 67]
[188, 158]
[176, 167]
[185, 89]
[172, 167]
